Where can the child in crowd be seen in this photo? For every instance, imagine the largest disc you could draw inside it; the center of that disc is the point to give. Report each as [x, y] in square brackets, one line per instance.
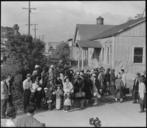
[58, 93]
[67, 102]
[49, 98]
[68, 90]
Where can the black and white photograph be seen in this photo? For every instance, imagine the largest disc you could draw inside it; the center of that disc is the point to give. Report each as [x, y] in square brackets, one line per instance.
[73, 64]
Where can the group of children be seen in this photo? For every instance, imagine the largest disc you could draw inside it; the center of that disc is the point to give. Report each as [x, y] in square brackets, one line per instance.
[60, 96]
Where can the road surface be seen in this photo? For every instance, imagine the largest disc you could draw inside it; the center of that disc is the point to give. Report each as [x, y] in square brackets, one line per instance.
[110, 113]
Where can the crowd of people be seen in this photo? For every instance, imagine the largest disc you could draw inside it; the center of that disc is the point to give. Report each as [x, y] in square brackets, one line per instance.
[50, 88]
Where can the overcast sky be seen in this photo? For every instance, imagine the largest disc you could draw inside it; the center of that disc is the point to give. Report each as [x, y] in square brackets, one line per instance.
[57, 20]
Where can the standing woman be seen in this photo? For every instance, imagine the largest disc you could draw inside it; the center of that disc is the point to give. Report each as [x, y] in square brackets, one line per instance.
[112, 81]
[68, 90]
[101, 77]
[142, 91]
[95, 89]
[27, 85]
[119, 88]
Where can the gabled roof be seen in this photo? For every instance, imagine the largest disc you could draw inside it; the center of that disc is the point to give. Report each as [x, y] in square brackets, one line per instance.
[89, 44]
[87, 31]
[118, 29]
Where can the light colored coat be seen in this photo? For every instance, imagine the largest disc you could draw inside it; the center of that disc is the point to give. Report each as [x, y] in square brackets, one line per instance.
[142, 90]
[4, 91]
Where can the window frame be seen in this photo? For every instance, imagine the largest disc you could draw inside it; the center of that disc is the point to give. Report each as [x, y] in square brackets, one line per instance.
[133, 54]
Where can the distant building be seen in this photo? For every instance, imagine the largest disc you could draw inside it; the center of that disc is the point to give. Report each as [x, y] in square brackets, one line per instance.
[50, 48]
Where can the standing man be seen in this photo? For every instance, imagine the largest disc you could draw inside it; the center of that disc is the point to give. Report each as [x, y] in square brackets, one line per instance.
[27, 85]
[123, 77]
[136, 88]
[51, 76]
[101, 77]
[10, 86]
[107, 81]
[5, 95]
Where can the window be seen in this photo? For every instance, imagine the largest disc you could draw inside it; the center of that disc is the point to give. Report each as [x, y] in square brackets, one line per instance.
[96, 53]
[107, 55]
[103, 54]
[138, 55]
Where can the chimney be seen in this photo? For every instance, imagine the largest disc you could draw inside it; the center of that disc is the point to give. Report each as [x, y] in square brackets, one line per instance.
[100, 20]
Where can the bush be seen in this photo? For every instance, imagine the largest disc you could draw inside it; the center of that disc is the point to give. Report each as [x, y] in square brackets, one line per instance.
[22, 53]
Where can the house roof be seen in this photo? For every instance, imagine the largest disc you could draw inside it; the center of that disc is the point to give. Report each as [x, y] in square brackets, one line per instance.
[118, 29]
[89, 44]
[87, 31]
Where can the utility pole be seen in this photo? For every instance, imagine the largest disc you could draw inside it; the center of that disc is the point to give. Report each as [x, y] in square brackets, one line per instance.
[29, 16]
[35, 29]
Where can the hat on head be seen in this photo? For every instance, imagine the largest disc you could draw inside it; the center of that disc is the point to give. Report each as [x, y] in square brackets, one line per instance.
[28, 75]
[94, 74]
[51, 66]
[45, 88]
[37, 66]
[138, 74]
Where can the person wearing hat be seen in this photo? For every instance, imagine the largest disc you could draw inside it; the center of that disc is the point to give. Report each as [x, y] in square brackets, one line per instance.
[101, 77]
[136, 88]
[112, 81]
[5, 91]
[142, 91]
[119, 88]
[36, 73]
[51, 76]
[107, 81]
[36, 93]
[27, 85]
[95, 88]
[68, 90]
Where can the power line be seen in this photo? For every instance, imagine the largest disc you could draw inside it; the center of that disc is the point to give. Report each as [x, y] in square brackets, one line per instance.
[29, 15]
[35, 29]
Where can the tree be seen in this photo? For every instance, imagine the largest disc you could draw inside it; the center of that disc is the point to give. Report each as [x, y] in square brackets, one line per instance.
[63, 51]
[22, 53]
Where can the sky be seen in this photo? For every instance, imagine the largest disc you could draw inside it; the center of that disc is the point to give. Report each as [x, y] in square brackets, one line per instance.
[57, 19]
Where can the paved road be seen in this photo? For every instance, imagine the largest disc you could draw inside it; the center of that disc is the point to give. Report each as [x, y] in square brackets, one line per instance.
[110, 114]
[114, 114]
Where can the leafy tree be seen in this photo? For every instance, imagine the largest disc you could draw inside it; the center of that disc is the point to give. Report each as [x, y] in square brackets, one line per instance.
[24, 52]
[63, 51]
[21, 54]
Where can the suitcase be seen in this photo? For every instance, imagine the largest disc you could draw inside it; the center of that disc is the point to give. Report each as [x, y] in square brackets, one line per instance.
[126, 90]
